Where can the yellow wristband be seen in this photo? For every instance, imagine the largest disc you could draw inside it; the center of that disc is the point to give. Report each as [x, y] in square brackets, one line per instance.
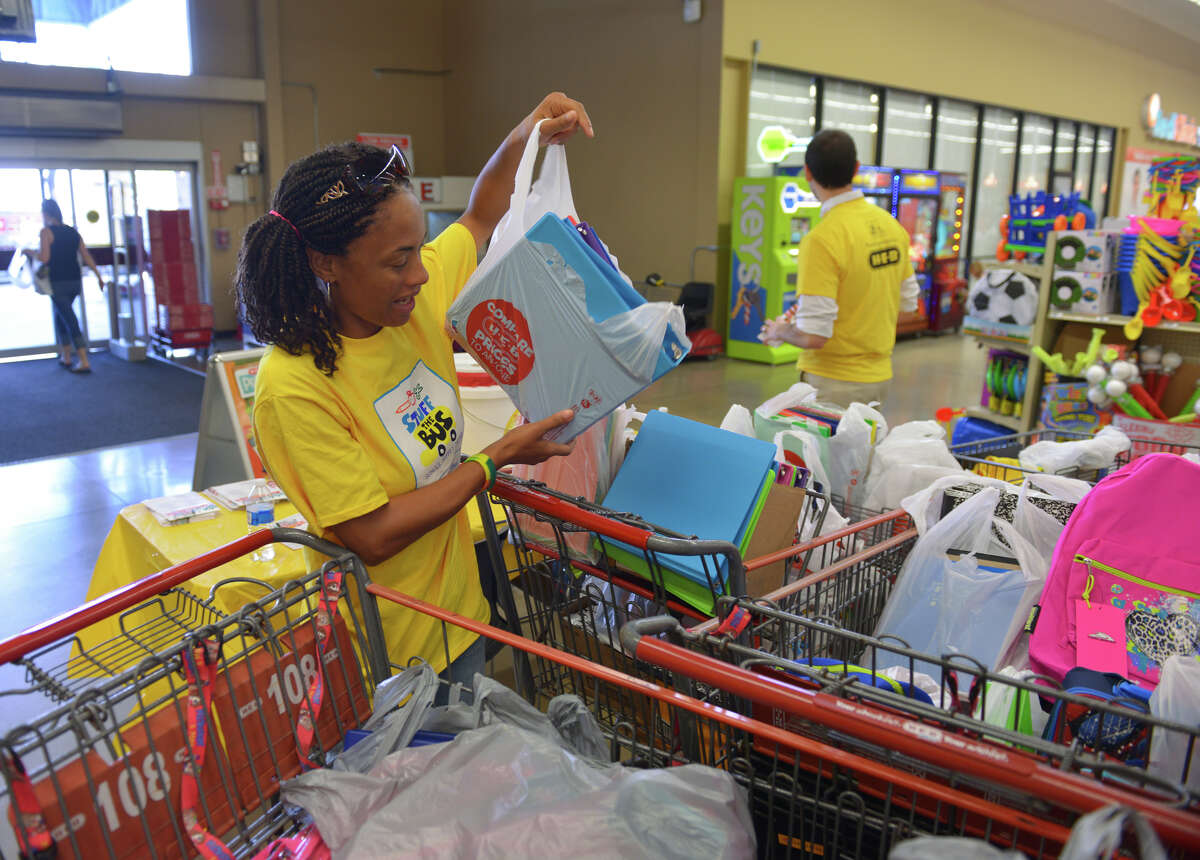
[489, 468]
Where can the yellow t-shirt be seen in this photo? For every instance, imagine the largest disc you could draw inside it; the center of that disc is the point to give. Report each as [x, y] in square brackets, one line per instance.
[387, 421]
[857, 255]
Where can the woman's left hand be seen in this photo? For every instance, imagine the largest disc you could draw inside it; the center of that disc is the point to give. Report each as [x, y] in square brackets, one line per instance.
[564, 116]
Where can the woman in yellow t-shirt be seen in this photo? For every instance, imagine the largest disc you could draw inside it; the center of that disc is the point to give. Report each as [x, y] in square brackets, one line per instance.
[356, 412]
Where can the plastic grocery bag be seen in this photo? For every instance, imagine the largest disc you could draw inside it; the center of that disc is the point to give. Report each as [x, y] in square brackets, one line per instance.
[552, 323]
[950, 848]
[860, 429]
[738, 420]
[1011, 707]
[503, 791]
[947, 600]
[1177, 698]
[582, 474]
[1100, 834]
[912, 457]
[766, 425]
[1098, 452]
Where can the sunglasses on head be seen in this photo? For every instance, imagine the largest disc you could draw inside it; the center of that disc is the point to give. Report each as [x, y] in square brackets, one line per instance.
[362, 176]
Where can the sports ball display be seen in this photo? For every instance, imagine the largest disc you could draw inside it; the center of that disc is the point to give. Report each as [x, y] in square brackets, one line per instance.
[1004, 297]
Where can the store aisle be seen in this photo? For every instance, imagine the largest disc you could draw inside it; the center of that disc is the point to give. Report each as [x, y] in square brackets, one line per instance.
[55, 513]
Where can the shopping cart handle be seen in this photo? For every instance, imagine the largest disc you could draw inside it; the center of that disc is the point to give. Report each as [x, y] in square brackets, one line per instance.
[69, 623]
[633, 631]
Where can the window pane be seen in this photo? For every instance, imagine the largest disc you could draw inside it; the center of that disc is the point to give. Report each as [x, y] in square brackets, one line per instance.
[854, 108]
[135, 36]
[1083, 167]
[1037, 137]
[956, 146]
[785, 99]
[28, 318]
[908, 120]
[997, 158]
[1064, 154]
[1101, 169]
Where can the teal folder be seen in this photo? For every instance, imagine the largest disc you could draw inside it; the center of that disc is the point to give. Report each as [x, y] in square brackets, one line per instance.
[694, 479]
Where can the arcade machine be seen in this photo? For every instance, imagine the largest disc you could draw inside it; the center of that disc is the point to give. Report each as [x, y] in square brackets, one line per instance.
[771, 214]
[879, 185]
[929, 205]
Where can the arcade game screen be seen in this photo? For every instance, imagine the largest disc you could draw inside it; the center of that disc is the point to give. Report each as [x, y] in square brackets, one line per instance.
[884, 203]
[918, 217]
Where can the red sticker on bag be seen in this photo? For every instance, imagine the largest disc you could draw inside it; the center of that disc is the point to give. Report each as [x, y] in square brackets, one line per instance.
[499, 335]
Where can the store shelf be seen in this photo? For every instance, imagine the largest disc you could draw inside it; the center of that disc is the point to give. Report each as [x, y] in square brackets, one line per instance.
[1015, 424]
[993, 340]
[1032, 270]
[1118, 320]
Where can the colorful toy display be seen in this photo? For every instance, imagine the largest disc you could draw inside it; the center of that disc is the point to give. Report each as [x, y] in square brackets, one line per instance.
[1004, 382]
[1163, 268]
[1004, 296]
[1032, 216]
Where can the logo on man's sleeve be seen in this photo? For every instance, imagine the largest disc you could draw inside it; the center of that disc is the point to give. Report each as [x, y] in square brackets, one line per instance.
[424, 419]
[882, 257]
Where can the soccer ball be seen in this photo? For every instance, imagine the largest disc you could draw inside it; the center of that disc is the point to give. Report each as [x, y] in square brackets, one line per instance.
[1005, 297]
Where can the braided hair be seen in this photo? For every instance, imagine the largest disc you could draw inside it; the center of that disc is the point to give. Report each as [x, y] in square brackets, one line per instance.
[279, 296]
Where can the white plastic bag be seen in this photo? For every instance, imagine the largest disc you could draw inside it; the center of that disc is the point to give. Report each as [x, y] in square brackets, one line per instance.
[1098, 452]
[1011, 707]
[859, 430]
[1100, 834]
[1176, 698]
[912, 457]
[551, 340]
[943, 605]
[738, 420]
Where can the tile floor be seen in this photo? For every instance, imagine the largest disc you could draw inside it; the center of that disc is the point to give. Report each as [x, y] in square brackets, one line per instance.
[56, 512]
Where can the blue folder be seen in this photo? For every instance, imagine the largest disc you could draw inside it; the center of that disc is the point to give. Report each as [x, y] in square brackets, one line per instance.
[694, 479]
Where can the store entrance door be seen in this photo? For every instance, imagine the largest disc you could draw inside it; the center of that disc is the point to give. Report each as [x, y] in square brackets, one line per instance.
[101, 202]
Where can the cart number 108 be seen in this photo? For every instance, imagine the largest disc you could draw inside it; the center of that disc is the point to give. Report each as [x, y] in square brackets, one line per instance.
[296, 681]
[133, 789]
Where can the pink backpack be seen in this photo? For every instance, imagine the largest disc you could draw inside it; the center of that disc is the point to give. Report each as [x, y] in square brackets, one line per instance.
[1123, 591]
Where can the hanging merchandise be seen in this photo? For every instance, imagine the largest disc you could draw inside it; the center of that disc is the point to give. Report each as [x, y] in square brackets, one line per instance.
[541, 292]
[1122, 593]
[1004, 296]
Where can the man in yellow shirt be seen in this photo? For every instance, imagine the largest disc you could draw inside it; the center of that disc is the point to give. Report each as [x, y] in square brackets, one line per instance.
[357, 413]
[853, 279]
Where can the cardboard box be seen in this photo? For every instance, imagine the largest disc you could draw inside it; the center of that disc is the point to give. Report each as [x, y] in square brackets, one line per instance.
[172, 225]
[1091, 251]
[164, 251]
[1150, 437]
[1065, 407]
[776, 530]
[181, 317]
[1083, 292]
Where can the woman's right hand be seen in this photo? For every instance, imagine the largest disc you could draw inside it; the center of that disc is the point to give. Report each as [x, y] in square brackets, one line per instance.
[526, 445]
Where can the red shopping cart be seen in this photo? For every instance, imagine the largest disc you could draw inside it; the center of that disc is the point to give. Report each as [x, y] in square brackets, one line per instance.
[561, 588]
[116, 767]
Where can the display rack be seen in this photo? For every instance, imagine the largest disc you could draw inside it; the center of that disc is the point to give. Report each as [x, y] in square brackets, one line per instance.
[1177, 336]
[1041, 273]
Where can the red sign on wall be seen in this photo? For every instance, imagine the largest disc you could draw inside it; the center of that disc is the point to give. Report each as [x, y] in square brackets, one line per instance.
[384, 140]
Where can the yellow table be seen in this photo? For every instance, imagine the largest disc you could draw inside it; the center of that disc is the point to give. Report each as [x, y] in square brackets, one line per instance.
[137, 546]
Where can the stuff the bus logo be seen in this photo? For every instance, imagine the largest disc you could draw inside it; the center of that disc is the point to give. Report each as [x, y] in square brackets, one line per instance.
[423, 418]
[884, 257]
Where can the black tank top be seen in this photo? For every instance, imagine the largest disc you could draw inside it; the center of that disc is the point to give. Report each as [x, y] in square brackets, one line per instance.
[64, 254]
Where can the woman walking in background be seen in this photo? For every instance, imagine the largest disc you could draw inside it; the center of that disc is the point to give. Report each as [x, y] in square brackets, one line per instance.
[62, 250]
